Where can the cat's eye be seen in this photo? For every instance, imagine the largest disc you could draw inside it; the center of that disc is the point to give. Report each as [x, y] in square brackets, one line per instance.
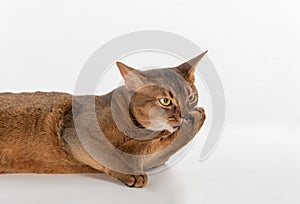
[192, 98]
[165, 101]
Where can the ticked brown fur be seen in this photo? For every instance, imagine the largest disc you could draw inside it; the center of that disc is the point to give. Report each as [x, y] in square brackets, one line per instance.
[37, 135]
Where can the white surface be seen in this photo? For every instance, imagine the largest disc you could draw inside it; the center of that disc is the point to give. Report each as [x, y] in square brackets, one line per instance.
[250, 165]
[253, 44]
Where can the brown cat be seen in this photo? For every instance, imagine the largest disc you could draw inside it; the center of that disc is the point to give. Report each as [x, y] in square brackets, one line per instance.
[123, 133]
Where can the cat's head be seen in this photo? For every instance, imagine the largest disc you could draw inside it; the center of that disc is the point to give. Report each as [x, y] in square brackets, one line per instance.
[161, 98]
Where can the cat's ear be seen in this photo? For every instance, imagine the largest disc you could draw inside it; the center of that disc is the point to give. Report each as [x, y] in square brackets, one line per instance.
[133, 79]
[187, 69]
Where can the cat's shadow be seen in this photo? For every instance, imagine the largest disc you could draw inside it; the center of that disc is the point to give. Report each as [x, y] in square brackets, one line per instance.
[103, 177]
[162, 183]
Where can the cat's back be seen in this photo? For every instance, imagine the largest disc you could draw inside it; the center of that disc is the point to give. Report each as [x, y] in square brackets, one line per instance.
[32, 100]
[24, 114]
[30, 129]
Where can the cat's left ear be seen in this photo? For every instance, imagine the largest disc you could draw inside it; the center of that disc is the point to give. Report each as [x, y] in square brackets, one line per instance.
[187, 69]
[133, 78]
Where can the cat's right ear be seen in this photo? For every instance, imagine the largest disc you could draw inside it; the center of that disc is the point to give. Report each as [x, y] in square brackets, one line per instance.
[187, 69]
[133, 80]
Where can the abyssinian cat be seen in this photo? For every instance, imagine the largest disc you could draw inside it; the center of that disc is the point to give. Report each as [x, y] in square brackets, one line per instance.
[142, 124]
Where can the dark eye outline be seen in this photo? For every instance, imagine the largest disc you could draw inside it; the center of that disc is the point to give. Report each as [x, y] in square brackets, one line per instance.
[192, 98]
[162, 102]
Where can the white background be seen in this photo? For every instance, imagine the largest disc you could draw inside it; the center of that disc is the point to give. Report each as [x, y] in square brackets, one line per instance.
[253, 44]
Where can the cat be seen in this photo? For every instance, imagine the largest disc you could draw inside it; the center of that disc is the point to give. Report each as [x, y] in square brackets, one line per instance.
[134, 128]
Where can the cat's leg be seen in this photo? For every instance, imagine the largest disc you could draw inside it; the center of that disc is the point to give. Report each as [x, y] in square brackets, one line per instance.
[137, 181]
[183, 137]
[159, 150]
[73, 144]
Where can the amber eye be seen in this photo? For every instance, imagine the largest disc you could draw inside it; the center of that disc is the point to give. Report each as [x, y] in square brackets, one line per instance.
[192, 98]
[165, 101]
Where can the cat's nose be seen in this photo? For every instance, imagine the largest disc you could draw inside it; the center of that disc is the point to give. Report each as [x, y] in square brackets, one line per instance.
[188, 118]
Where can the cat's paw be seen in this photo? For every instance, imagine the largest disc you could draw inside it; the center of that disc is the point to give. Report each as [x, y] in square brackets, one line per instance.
[199, 116]
[200, 110]
[135, 181]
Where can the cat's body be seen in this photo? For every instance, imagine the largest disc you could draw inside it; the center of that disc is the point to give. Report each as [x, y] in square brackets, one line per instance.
[30, 134]
[38, 134]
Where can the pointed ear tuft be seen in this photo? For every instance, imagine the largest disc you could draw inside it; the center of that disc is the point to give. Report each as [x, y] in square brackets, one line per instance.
[193, 62]
[133, 78]
[124, 69]
[187, 69]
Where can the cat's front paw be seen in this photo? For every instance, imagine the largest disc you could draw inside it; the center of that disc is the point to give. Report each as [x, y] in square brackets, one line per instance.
[200, 110]
[135, 181]
[199, 116]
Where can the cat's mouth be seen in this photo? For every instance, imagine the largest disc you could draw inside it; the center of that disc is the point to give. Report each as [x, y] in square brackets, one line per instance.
[188, 118]
[160, 126]
[173, 128]
[176, 127]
